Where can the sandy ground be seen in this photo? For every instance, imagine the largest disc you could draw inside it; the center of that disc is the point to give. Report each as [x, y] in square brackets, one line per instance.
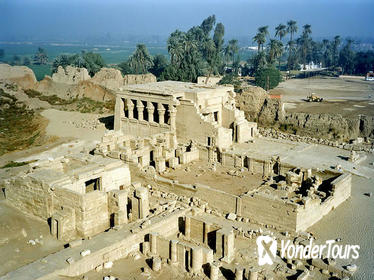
[74, 124]
[345, 96]
[72, 131]
[16, 230]
[353, 223]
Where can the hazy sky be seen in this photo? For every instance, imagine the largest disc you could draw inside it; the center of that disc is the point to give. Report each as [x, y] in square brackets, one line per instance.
[79, 19]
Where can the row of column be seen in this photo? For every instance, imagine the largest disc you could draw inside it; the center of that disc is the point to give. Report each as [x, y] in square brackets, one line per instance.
[150, 110]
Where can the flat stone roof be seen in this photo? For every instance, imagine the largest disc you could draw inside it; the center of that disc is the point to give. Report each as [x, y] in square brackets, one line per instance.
[171, 88]
[70, 166]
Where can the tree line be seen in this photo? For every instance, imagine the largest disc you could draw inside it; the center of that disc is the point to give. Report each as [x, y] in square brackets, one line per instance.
[202, 51]
[39, 58]
[296, 53]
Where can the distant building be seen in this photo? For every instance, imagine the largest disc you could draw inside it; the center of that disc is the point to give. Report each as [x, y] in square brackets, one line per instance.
[311, 66]
[369, 76]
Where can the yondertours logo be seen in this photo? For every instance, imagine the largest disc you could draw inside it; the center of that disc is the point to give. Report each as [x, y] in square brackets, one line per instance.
[267, 248]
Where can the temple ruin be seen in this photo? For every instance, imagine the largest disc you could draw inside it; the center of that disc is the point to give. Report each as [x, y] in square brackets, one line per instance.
[91, 201]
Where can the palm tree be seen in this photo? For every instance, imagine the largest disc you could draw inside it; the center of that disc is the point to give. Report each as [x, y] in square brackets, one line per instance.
[281, 31]
[335, 46]
[141, 60]
[292, 56]
[291, 28]
[264, 30]
[275, 48]
[260, 40]
[176, 46]
[307, 29]
[326, 49]
[232, 49]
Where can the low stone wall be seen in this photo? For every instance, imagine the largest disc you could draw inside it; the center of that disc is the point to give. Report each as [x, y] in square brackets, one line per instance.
[313, 211]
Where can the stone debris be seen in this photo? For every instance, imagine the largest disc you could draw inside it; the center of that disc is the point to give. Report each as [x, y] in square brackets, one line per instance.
[352, 267]
[85, 253]
[231, 216]
[272, 133]
[32, 242]
[109, 277]
[92, 124]
[108, 265]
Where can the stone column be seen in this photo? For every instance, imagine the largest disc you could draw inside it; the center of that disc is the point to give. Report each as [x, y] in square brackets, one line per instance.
[225, 244]
[156, 264]
[214, 269]
[219, 117]
[161, 113]
[130, 108]
[118, 113]
[230, 248]
[187, 227]
[142, 194]
[151, 110]
[140, 107]
[122, 197]
[206, 231]
[173, 114]
[173, 251]
[239, 273]
[153, 240]
[252, 274]
[197, 259]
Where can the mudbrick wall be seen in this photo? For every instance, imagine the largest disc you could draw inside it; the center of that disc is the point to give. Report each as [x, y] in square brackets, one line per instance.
[259, 107]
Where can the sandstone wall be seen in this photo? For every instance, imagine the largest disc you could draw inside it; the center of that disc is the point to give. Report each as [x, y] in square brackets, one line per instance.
[190, 124]
[30, 197]
[315, 211]
[39, 200]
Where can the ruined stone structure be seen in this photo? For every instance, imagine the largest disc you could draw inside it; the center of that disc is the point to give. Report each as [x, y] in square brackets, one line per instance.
[194, 228]
[170, 123]
[79, 195]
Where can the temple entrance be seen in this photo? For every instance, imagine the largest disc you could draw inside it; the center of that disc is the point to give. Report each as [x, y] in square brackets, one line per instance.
[93, 185]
